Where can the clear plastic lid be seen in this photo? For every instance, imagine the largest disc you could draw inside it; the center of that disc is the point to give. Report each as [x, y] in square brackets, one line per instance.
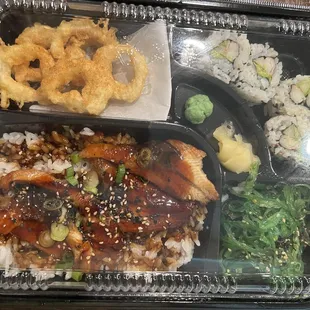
[162, 153]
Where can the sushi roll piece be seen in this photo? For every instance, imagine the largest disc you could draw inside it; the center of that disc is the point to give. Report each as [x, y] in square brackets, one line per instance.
[288, 137]
[290, 93]
[260, 76]
[221, 55]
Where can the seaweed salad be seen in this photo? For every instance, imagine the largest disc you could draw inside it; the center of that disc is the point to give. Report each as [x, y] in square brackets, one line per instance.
[265, 227]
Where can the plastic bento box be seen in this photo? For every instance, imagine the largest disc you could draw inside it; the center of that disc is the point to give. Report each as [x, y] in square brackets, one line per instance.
[186, 178]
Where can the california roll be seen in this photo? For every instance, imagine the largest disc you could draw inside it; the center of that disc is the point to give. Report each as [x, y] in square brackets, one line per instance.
[291, 92]
[223, 55]
[288, 137]
[260, 76]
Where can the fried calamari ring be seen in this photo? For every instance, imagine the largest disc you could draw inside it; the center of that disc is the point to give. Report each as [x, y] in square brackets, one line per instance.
[94, 95]
[24, 73]
[17, 55]
[44, 36]
[79, 32]
[83, 30]
[126, 92]
[37, 34]
[99, 84]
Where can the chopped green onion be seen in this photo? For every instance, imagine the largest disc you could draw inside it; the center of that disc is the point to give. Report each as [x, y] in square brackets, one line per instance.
[75, 158]
[63, 214]
[72, 180]
[69, 172]
[93, 190]
[77, 275]
[59, 232]
[66, 261]
[121, 170]
[78, 219]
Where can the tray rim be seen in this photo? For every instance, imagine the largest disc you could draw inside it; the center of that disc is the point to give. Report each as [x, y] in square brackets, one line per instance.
[61, 8]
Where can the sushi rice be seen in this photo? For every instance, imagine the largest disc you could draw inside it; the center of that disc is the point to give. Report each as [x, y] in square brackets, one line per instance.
[289, 93]
[260, 76]
[288, 137]
[222, 55]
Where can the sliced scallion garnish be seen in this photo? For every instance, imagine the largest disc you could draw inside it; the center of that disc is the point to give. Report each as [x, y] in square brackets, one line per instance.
[121, 171]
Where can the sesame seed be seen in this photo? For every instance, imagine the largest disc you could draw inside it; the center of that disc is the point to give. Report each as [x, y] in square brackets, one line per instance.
[168, 215]
[93, 254]
[106, 229]
[111, 179]
[95, 213]
[140, 228]
[88, 257]
[116, 241]
[101, 242]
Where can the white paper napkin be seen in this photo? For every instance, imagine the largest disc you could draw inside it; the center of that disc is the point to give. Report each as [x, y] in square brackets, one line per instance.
[154, 103]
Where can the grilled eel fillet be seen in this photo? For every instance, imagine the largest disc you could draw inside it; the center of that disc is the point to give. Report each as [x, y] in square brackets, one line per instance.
[175, 167]
[146, 210]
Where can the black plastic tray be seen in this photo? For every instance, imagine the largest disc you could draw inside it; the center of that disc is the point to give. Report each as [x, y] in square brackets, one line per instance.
[206, 256]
